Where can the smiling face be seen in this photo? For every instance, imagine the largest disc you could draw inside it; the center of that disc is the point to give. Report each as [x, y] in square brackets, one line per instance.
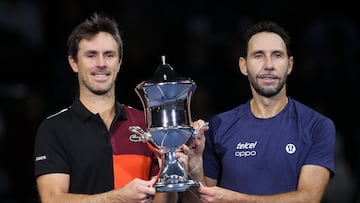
[97, 65]
[267, 64]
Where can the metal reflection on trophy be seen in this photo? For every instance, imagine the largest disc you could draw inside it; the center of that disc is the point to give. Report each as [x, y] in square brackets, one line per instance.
[166, 101]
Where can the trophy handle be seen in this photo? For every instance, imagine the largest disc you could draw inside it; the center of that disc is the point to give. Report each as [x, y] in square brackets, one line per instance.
[196, 131]
[142, 135]
[146, 137]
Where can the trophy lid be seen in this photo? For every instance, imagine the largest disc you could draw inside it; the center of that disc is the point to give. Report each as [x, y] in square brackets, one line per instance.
[164, 87]
[165, 73]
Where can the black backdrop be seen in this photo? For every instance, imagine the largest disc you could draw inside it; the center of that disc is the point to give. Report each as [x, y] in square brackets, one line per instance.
[200, 40]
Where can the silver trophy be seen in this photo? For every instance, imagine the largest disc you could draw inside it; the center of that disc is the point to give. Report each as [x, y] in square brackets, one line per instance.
[166, 101]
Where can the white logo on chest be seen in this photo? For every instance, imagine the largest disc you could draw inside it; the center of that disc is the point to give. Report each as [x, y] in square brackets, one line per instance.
[246, 149]
[290, 148]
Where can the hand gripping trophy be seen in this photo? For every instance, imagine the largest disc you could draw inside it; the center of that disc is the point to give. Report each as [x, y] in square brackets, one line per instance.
[166, 101]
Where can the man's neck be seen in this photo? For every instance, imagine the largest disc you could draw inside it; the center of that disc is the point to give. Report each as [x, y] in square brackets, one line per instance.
[104, 105]
[263, 107]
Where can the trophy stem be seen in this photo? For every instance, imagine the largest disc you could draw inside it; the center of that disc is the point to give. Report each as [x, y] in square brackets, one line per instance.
[173, 176]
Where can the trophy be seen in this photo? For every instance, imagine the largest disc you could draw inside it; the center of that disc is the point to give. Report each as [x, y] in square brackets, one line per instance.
[166, 101]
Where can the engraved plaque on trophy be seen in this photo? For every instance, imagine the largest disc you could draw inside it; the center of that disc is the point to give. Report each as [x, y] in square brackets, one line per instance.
[166, 101]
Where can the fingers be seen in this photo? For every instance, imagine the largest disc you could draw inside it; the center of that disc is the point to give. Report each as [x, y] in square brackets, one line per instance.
[138, 190]
[201, 187]
[147, 200]
[182, 154]
[183, 149]
[198, 123]
[150, 191]
[196, 141]
[152, 181]
[200, 127]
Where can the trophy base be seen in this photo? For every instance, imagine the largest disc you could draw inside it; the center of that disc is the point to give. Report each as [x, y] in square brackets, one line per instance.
[173, 177]
[176, 187]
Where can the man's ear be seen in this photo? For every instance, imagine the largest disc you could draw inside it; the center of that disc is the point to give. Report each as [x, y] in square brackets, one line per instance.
[242, 66]
[291, 64]
[73, 64]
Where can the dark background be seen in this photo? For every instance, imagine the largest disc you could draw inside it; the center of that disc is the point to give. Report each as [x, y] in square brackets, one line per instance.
[200, 40]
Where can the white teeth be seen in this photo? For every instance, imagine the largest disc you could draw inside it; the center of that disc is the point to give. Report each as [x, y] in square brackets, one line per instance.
[100, 76]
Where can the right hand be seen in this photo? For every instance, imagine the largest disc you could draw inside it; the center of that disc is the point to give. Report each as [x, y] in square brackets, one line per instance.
[216, 194]
[137, 191]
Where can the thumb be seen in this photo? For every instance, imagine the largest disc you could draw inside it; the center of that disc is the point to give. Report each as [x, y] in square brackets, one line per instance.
[153, 180]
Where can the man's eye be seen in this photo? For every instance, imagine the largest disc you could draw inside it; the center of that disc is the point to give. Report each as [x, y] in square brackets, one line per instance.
[278, 55]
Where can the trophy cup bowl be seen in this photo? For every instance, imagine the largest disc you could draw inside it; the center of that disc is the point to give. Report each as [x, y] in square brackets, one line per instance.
[166, 101]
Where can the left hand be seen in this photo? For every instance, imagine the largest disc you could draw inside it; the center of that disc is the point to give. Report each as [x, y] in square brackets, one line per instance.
[196, 148]
[198, 142]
